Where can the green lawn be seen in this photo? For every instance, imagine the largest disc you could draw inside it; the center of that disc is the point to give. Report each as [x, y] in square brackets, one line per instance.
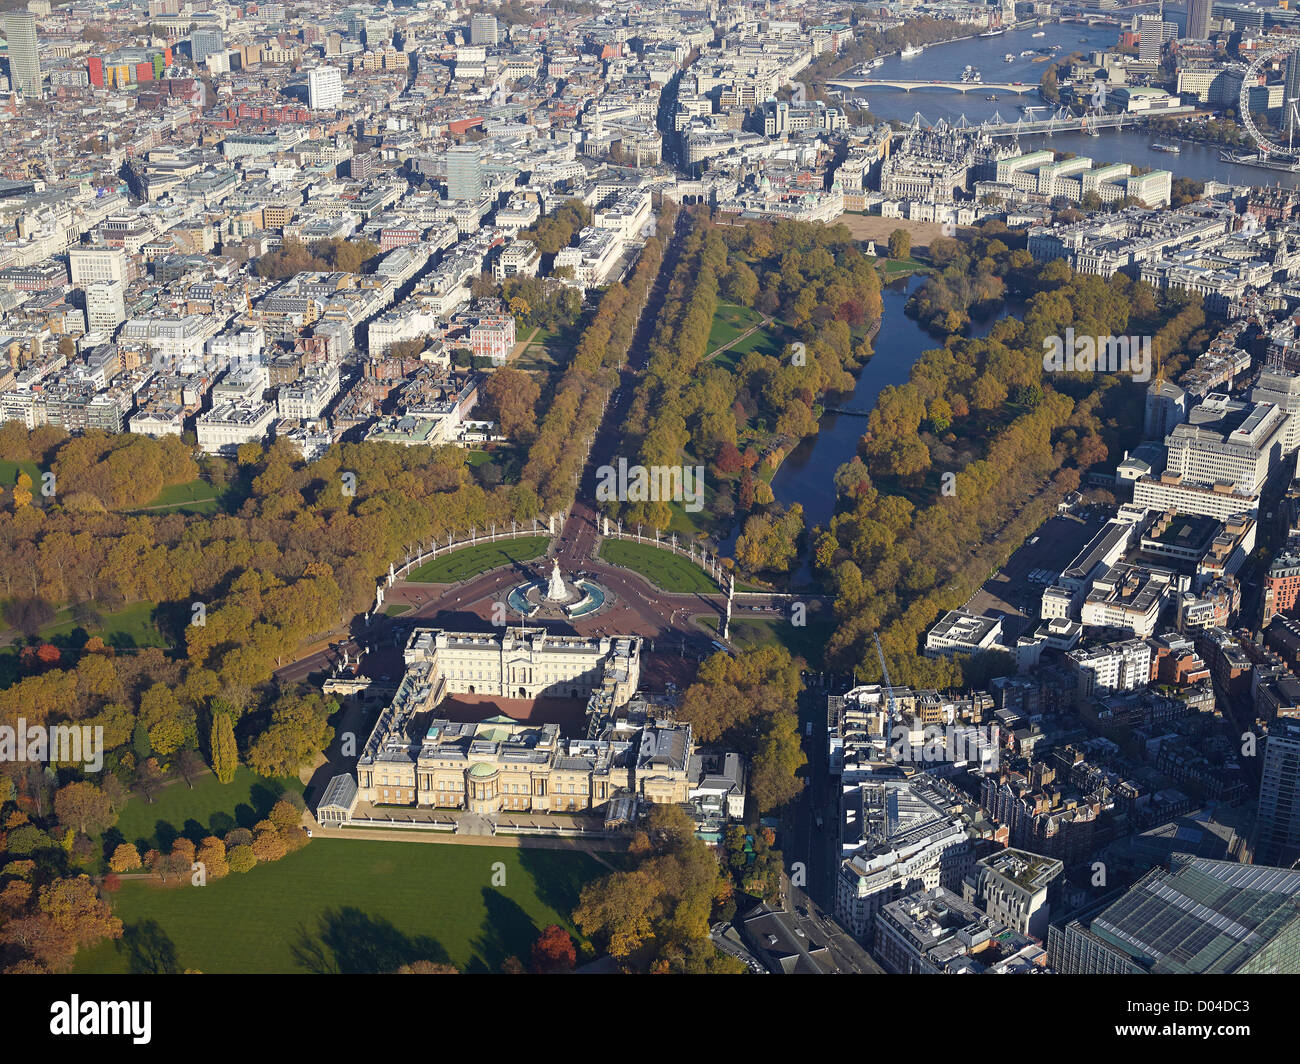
[894, 267]
[396, 609]
[129, 627]
[729, 321]
[807, 642]
[209, 808]
[767, 341]
[477, 458]
[9, 474]
[347, 905]
[479, 558]
[661, 567]
[194, 497]
[690, 522]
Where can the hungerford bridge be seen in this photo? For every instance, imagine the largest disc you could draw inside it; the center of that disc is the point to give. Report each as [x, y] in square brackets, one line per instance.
[1061, 121]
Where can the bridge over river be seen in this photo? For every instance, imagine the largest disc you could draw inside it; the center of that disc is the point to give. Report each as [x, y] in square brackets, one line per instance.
[1010, 87]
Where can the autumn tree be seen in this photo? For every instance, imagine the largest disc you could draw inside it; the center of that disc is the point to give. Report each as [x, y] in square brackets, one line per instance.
[211, 854]
[553, 951]
[85, 808]
[655, 916]
[75, 911]
[126, 858]
[298, 732]
[510, 398]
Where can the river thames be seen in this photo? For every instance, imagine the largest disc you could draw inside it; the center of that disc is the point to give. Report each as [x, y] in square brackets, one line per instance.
[945, 62]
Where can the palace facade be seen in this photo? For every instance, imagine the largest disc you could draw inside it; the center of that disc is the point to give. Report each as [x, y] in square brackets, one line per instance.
[415, 757]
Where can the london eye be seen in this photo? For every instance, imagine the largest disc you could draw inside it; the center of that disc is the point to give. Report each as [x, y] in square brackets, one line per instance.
[1277, 49]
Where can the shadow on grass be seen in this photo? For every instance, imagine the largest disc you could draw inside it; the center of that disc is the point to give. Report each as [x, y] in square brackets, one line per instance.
[558, 878]
[165, 832]
[149, 950]
[507, 931]
[350, 942]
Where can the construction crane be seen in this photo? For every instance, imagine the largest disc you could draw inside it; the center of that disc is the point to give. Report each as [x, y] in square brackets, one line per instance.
[889, 690]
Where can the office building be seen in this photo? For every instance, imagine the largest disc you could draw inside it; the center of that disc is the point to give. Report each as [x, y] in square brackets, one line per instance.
[89, 265]
[1011, 887]
[1166, 407]
[1226, 441]
[464, 172]
[1103, 670]
[483, 29]
[105, 307]
[325, 89]
[1291, 99]
[24, 53]
[1282, 390]
[931, 932]
[959, 632]
[1197, 917]
[1152, 34]
[1277, 824]
[1198, 19]
[907, 838]
[205, 41]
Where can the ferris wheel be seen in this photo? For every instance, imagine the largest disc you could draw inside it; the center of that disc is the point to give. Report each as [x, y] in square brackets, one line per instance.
[1276, 49]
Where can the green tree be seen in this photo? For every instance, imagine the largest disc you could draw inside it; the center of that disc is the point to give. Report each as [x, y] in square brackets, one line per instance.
[225, 754]
[140, 741]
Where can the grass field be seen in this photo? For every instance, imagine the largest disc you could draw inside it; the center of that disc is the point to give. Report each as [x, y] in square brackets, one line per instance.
[479, 558]
[351, 906]
[208, 808]
[129, 627]
[897, 267]
[9, 474]
[538, 358]
[729, 321]
[193, 497]
[396, 609]
[662, 568]
[807, 642]
[766, 341]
